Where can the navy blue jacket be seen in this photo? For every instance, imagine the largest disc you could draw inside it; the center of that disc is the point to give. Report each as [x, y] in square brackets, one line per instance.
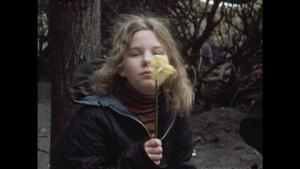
[103, 134]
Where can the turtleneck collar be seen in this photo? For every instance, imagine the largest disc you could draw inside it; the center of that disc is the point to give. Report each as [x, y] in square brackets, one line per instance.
[134, 100]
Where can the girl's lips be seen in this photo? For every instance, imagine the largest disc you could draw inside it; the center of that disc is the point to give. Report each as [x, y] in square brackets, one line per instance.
[145, 73]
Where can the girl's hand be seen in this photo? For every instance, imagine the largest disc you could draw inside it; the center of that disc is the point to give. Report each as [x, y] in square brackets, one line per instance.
[153, 148]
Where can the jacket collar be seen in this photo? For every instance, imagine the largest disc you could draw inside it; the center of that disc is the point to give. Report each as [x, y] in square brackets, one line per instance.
[165, 120]
[103, 101]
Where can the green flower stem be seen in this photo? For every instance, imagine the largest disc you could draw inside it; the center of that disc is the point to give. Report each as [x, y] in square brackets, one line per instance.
[156, 109]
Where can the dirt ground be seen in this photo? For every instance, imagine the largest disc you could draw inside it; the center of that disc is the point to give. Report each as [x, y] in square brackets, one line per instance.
[217, 143]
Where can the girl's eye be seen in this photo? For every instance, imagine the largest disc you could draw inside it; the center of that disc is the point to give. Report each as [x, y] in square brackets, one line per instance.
[158, 53]
[134, 54]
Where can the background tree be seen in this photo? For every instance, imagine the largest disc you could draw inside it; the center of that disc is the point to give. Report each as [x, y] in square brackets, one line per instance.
[232, 31]
[239, 38]
[74, 36]
[44, 66]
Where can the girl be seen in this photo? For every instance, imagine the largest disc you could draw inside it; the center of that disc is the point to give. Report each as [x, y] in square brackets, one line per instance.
[114, 127]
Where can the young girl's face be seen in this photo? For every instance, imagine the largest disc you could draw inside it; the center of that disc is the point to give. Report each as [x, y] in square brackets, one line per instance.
[136, 68]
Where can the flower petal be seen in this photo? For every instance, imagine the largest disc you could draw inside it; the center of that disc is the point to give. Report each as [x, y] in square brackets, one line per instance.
[161, 67]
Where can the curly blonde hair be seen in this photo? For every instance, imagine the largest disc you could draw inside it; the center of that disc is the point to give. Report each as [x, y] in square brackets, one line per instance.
[177, 89]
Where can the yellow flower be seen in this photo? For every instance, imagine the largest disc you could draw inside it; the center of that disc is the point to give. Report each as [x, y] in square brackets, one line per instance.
[161, 67]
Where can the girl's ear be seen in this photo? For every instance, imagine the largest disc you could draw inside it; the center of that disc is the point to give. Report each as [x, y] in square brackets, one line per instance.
[122, 73]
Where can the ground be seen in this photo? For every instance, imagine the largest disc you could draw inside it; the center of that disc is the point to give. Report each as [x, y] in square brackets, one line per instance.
[217, 142]
[43, 124]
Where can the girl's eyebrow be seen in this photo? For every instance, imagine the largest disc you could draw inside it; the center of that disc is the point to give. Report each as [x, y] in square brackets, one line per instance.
[158, 47]
[135, 48]
[140, 48]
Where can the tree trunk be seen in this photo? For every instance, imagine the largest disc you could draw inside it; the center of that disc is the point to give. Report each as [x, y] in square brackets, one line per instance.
[74, 36]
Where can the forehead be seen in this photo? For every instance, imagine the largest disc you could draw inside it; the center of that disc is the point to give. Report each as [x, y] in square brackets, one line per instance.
[145, 38]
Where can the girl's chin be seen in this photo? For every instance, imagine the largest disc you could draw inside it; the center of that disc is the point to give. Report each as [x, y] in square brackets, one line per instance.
[150, 84]
[150, 93]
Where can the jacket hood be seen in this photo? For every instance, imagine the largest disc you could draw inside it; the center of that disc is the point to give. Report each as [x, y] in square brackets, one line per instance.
[102, 101]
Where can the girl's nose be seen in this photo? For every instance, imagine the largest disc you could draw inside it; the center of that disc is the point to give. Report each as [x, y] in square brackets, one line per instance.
[147, 59]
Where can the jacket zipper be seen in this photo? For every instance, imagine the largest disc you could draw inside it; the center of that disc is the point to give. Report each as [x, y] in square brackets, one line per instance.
[131, 118]
[168, 129]
[144, 125]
